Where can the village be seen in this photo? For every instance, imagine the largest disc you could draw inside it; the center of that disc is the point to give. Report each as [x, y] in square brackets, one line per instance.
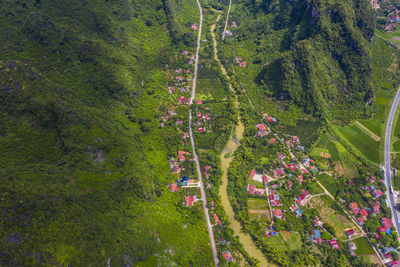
[289, 190]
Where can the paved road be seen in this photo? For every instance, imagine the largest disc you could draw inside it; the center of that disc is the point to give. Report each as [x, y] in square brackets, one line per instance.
[227, 18]
[196, 158]
[388, 175]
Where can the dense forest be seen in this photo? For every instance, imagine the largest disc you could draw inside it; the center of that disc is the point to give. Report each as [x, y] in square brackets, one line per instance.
[83, 164]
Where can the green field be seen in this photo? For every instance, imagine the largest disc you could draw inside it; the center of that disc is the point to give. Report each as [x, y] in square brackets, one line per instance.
[314, 188]
[328, 182]
[257, 204]
[362, 142]
[333, 151]
[285, 241]
[363, 247]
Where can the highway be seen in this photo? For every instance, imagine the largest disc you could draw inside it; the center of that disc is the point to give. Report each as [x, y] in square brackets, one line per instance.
[196, 158]
[388, 175]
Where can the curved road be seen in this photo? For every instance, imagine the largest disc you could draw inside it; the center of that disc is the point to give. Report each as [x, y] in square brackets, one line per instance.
[388, 175]
[203, 194]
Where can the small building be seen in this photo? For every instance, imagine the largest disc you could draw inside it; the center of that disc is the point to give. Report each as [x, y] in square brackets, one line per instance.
[173, 187]
[315, 236]
[300, 179]
[364, 213]
[228, 256]
[201, 129]
[189, 201]
[277, 213]
[184, 181]
[193, 27]
[243, 64]
[317, 222]
[350, 233]
[272, 140]
[252, 173]
[376, 207]
[352, 248]
[386, 222]
[376, 193]
[184, 53]
[216, 219]
[333, 244]
[199, 102]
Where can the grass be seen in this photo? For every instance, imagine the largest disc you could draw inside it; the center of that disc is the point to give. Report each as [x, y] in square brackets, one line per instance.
[333, 151]
[328, 182]
[314, 188]
[257, 204]
[363, 247]
[285, 241]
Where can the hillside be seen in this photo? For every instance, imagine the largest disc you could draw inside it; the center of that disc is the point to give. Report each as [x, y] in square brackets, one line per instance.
[321, 57]
[83, 162]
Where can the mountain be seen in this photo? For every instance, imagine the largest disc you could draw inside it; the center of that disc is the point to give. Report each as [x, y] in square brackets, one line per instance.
[83, 163]
[325, 60]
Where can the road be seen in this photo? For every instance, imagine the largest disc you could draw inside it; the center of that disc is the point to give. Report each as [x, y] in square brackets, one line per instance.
[196, 158]
[388, 175]
[227, 18]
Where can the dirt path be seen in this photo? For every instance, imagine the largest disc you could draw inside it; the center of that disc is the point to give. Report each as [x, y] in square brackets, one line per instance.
[368, 131]
[226, 21]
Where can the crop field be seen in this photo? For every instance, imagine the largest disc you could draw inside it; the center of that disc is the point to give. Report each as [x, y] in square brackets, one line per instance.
[363, 247]
[314, 188]
[340, 224]
[285, 241]
[333, 151]
[361, 141]
[329, 183]
[258, 210]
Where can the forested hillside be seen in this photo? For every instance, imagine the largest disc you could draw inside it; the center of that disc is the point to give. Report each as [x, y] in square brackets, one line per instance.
[83, 163]
[324, 64]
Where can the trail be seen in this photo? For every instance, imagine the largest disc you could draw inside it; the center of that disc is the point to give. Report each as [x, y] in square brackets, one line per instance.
[196, 158]
[230, 147]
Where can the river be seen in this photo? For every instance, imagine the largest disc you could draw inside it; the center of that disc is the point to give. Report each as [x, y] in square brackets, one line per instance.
[230, 147]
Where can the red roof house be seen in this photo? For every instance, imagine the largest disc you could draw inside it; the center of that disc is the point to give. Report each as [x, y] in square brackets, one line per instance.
[386, 222]
[252, 173]
[363, 213]
[277, 213]
[272, 140]
[350, 233]
[189, 201]
[173, 187]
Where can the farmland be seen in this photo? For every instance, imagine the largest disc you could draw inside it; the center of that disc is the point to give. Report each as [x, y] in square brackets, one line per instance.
[258, 209]
[363, 247]
[285, 241]
[339, 223]
[328, 182]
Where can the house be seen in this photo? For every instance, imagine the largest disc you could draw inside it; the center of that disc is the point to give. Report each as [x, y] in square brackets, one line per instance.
[297, 211]
[364, 213]
[281, 156]
[296, 139]
[386, 222]
[262, 130]
[376, 207]
[314, 168]
[217, 221]
[278, 172]
[252, 173]
[290, 144]
[234, 25]
[350, 233]
[272, 140]
[243, 64]
[184, 53]
[289, 185]
[207, 168]
[352, 248]
[381, 229]
[334, 244]
[301, 148]
[317, 222]
[252, 190]
[228, 256]
[300, 179]
[372, 179]
[185, 135]
[173, 187]
[189, 201]
[265, 180]
[361, 220]
[201, 129]
[271, 119]
[315, 236]
[199, 102]
[376, 193]
[292, 167]
[181, 99]
[193, 27]
[228, 33]
[277, 213]
[179, 122]
[354, 207]
[394, 263]
[184, 181]
[274, 200]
